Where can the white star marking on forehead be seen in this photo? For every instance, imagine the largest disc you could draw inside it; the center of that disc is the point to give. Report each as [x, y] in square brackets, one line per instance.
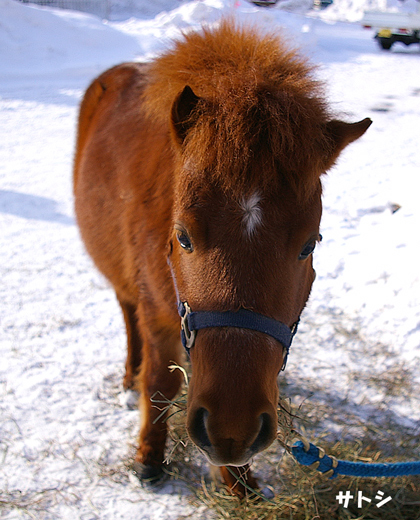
[252, 217]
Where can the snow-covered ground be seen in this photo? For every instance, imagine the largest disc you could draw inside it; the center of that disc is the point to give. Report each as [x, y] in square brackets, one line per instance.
[65, 436]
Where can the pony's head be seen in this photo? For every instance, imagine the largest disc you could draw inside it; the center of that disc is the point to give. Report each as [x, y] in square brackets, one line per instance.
[251, 136]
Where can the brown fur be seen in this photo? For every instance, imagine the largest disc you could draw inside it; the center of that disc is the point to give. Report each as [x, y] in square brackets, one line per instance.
[181, 143]
[257, 96]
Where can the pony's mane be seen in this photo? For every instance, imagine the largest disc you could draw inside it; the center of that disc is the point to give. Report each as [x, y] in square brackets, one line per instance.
[261, 113]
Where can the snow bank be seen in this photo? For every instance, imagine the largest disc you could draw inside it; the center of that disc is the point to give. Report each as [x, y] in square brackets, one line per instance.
[36, 40]
[352, 10]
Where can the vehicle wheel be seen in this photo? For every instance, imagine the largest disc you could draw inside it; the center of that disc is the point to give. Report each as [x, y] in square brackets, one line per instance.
[385, 43]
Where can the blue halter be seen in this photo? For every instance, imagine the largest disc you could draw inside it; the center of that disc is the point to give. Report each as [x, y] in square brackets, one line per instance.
[191, 322]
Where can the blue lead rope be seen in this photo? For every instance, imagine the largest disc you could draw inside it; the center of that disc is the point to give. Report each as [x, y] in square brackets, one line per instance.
[310, 455]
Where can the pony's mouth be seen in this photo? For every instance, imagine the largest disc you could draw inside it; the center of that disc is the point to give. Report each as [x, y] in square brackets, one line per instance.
[217, 460]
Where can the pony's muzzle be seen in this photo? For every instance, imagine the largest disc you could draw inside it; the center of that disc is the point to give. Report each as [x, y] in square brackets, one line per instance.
[234, 447]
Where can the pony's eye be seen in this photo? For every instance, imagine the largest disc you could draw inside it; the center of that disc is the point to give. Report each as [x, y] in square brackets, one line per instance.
[309, 248]
[184, 241]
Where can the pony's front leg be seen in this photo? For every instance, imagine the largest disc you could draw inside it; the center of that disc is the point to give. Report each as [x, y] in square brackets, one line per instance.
[157, 382]
[134, 345]
[239, 480]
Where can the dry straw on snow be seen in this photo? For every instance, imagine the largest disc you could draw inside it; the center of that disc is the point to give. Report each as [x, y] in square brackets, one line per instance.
[301, 493]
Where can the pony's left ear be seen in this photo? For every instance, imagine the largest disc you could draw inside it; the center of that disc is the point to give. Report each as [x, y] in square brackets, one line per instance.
[341, 134]
[182, 112]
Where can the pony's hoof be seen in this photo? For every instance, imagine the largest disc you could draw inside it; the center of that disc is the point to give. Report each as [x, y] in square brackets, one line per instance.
[149, 475]
[268, 493]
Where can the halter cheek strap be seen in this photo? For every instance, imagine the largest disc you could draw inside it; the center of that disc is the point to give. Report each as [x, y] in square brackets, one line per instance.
[191, 322]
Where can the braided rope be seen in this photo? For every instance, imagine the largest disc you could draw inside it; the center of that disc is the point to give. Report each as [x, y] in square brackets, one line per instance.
[310, 455]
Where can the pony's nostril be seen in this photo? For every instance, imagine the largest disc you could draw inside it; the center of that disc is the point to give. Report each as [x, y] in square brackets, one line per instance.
[266, 434]
[198, 430]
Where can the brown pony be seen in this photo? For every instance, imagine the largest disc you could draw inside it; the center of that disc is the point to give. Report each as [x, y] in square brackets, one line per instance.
[197, 179]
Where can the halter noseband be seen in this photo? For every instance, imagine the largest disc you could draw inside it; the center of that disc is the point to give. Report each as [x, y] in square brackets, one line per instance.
[191, 322]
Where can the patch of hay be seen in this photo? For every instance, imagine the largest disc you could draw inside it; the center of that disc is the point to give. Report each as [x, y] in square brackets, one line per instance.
[301, 493]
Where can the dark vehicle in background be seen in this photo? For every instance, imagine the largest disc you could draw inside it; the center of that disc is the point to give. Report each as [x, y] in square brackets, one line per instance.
[322, 4]
[318, 4]
[264, 3]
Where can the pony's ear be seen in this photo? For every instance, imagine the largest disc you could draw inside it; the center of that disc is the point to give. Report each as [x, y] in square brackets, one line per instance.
[182, 110]
[341, 134]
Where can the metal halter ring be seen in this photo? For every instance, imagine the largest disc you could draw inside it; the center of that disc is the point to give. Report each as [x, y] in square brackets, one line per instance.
[190, 335]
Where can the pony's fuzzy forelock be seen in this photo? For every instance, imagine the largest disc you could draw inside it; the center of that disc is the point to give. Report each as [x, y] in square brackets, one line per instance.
[261, 117]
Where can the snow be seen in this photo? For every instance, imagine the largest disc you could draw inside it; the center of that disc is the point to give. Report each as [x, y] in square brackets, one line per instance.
[65, 436]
